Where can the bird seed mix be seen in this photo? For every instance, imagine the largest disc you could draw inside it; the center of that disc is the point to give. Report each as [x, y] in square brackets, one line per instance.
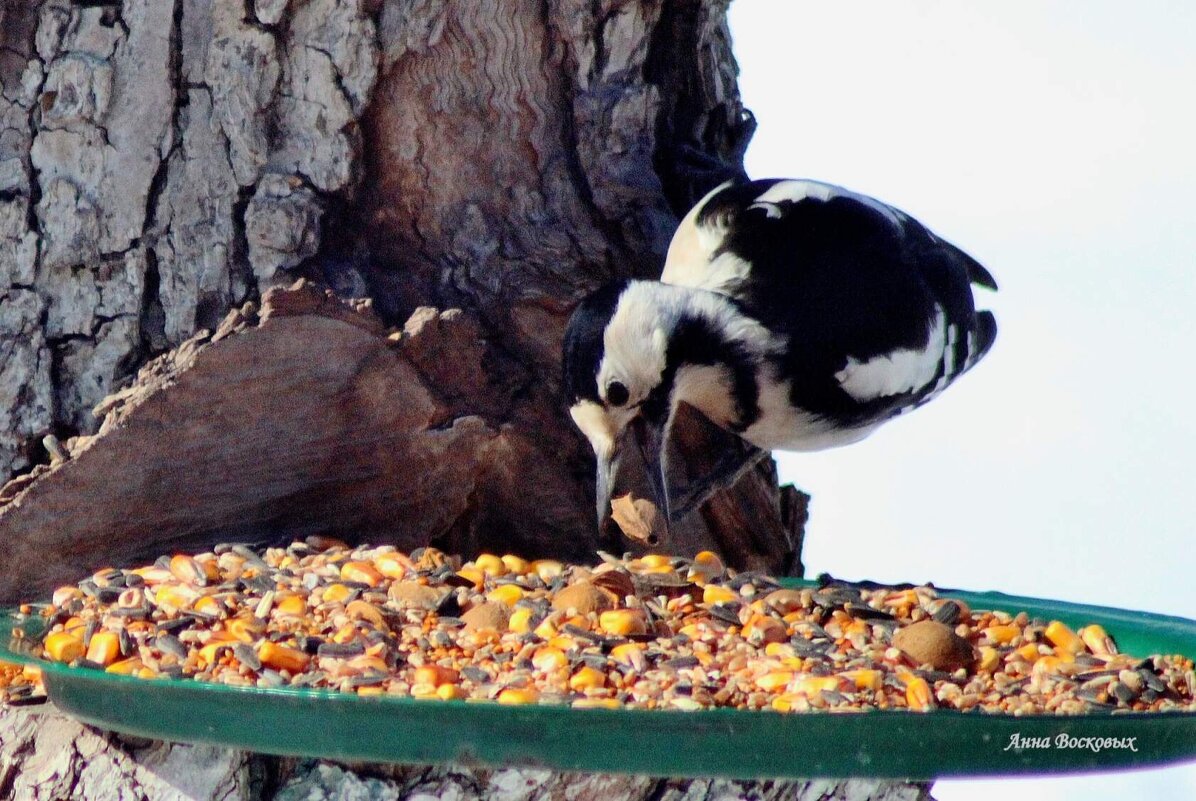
[655, 632]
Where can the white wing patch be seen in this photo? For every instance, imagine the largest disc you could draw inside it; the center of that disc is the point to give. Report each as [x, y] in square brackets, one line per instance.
[797, 190]
[902, 370]
[688, 259]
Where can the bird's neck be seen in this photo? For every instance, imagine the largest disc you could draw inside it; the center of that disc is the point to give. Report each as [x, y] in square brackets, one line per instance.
[714, 352]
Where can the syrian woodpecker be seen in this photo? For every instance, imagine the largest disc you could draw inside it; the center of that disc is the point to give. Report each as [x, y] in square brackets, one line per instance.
[796, 314]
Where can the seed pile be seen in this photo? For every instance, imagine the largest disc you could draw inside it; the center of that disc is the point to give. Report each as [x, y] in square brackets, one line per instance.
[20, 685]
[652, 632]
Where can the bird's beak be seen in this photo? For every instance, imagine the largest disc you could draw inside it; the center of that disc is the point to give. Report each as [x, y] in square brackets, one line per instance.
[653, 441]
[608, 468]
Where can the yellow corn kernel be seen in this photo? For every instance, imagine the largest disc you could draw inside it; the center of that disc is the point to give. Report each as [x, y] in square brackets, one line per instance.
[346, 633]
[424, 691]
[597, 703]
[393, 565]
[485, 636]
[363, 572]
[785, 703]
[1047, 664]
[520, 621]
[207, 605]
[245, 629]
[509, 594]
[656, 560]
[990, 659]
[74, 625]
[692, 630]
[1029, 652]
[918, 694]
[147, 673]
[450, 692]
[174, 597]
[63, 647]
[490, 564]
[472, 574]
[864, 679]
[1002, 634]
[545, 630]
[780, 650]
[209, 652]
[1097, 640]
[280, 657]
[291, 605]
[125, 667]
[628, 653]
[587, 678]
[714, 594]
[32, 673]
[702, 573]
[370, 691]
[153, 574]
[1064, 638]
[547, 569]
[516, 564]
[623, 622]
[1064, 656]
[562, 642]
[435, 675]
[549, 658]
[104, 648]
[812, 684]
[518, 695]
[774, 680]
[336, 593]
[209, 566]
[187, 570]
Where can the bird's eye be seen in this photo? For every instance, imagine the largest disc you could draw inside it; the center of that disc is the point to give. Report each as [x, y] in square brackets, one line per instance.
[616, 394]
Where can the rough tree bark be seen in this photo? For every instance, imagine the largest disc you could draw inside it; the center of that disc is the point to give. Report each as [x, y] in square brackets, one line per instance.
[165, 163]
[458, 173]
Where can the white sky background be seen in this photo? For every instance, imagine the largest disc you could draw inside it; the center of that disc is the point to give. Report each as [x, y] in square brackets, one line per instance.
[1056, 143]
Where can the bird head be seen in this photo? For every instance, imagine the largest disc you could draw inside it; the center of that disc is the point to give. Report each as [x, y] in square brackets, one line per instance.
[615, 360]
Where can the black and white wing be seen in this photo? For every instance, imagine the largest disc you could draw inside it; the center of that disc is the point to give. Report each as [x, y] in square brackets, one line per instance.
[877, 310]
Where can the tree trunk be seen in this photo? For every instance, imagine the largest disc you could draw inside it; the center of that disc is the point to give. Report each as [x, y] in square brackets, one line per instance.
[458, 173]
[167, 163]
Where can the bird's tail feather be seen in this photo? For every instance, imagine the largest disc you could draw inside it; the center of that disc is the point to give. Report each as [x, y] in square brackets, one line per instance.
[986, 334]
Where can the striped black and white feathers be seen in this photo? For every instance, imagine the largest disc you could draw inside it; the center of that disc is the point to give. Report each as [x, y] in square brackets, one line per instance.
[797, 314]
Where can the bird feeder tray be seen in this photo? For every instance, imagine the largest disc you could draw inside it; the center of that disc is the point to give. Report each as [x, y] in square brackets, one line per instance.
[718, 742]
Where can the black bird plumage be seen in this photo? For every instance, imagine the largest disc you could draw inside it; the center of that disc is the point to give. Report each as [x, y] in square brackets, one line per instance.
[817, 313]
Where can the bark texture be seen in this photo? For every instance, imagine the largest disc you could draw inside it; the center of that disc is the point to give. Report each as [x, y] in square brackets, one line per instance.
[469, 169]
[45, 756]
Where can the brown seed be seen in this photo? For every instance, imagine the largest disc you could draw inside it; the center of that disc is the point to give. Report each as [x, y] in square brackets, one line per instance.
[638, 518]
[412, 593]
[929, 642]
[615, 580]
[490, 615]
[784, 601]
[584, 597]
